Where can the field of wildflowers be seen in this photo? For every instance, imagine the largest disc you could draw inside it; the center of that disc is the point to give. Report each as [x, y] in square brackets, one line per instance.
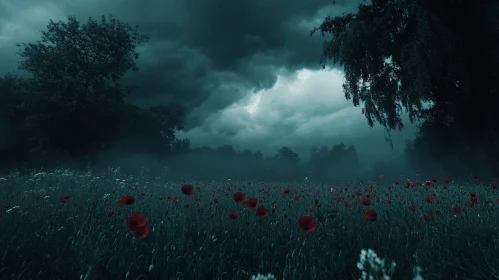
[67, 224]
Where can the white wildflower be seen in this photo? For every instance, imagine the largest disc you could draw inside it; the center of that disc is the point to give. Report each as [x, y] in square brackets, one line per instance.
[417, 272]
[373, 267]
[10, 209]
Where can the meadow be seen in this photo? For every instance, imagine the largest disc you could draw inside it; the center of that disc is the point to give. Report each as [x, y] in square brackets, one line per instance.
[66, 224]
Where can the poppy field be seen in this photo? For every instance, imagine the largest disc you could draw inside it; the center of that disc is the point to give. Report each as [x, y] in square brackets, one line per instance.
[67, 224]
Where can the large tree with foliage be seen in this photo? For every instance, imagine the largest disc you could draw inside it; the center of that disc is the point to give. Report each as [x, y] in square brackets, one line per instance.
[72, 57]
[15, 113]
[77, 100]
[72, 106]
[437, 60]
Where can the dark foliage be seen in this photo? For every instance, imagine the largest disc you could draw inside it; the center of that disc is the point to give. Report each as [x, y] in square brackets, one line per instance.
[72, 107]
[435, 60]
[331, 164]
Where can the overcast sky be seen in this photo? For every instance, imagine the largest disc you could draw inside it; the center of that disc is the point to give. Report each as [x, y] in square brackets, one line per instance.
[247, 70]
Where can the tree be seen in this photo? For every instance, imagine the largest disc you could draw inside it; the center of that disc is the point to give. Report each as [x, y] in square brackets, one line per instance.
[15, 114]
[226, 151]
[250, 156]
[82, 59]
[320, 161]
[287, 154]
[204, 150]
[339, 162]
[14, 96]
[435, 60]
[76, 98]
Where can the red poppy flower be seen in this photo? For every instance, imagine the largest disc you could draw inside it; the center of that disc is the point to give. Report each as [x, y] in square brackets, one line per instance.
[262, 211]
[429, 199]
[348, 204]
[126, 200]
[447, 180]
[307, 224]
[412, 208]
[285, 192]
[135, 221]
[141, 231]
[434, 180]
[494, 185]
[251, 203]
[65, 198]
[366, 201]
[473, 194]
[36, 197]
[110, 213]
[186, 205]
[215, 200]
[239, 197]
[457, 210]
[427, 217]
[371, 215]
[187, 190]
[233, 215]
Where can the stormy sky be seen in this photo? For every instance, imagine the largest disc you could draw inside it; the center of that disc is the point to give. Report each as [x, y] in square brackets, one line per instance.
[247, 71]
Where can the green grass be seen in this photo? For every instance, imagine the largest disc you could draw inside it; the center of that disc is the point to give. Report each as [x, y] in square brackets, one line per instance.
[48, 239]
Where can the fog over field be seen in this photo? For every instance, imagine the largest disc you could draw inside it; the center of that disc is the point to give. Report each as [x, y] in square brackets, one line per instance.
[257, 140]
[248, 74]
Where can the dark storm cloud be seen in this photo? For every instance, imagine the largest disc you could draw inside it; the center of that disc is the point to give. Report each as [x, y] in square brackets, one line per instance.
[265, 121]
[233, 48]
[233, 64]
[204, 54]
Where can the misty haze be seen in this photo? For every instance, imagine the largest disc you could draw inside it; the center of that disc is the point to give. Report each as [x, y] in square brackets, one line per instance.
[249, 139]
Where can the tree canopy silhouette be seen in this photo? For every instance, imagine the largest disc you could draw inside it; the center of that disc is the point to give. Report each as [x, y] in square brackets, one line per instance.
[435, 60]
[287, 154]
[72, 107]
[72, 56]
[76, 70]
[336, 162]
